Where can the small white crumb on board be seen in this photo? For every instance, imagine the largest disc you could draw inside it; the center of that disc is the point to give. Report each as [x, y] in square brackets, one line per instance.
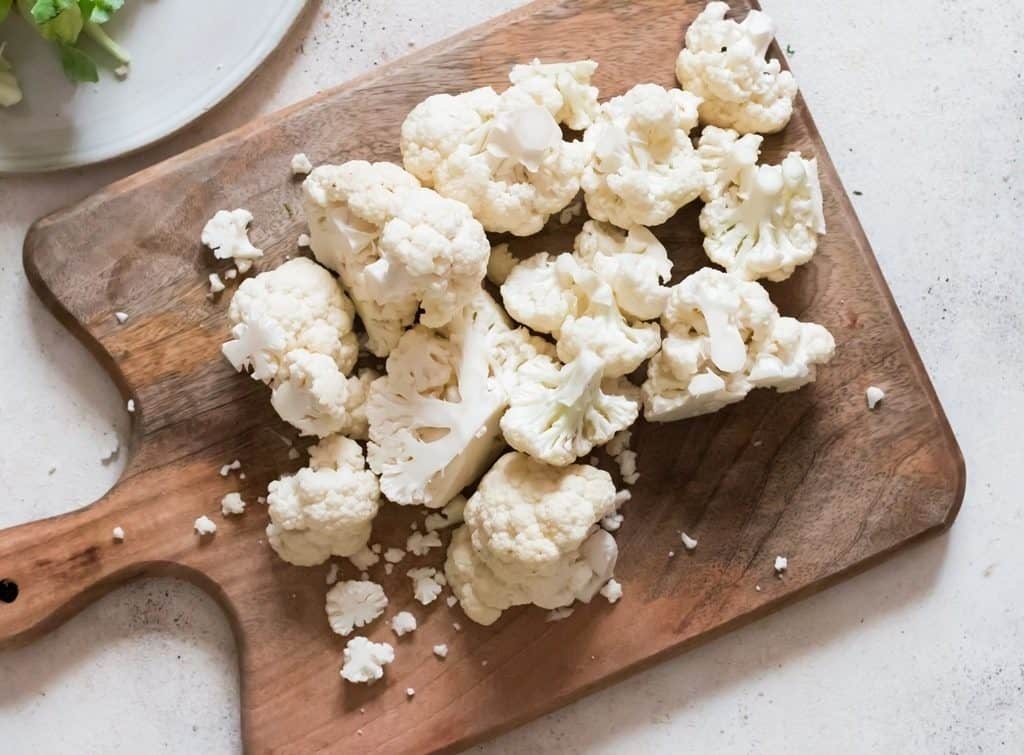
[690, 543]
[118, 534]
[232, 503]
[216, 284]
[557, 614]
[301, 164]
[130, 406]
[121, 317]
[874, 396]
[781, 564]
[205, 526]
[612, 591]
[441, 651]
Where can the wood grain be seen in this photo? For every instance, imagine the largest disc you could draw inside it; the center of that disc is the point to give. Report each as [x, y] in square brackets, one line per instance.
[812, 475]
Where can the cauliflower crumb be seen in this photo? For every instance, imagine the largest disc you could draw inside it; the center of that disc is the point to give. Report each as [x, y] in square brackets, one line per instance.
[118, 534]
[689, 542]
[205, 526]
[500, 264]
[627, 467]
[332, 574]
[621, 497]
[874, 394]
[441, 651]
[216, 284]
[451, 600]
[364, 559]
[394, 555]
[426, 583]
[389, 568]
[377, 548]
[671, 554]
[403, 623]
[456, 626]
[354, 604]
[231, 275]
[558, 614]
[121, 317]
[409, 692]
[122, 71]
[227, 236]
[757, 588]
[228, 468]
[781, 564]
[365, 661]
[232, 503]
[364, 576]
[303, 241]
[612, 591]
[293, 453]
[619, 443]
[300, 164]
[612, 522]
[109, 448]
[419, 544]
[130, 406]
[574, 210]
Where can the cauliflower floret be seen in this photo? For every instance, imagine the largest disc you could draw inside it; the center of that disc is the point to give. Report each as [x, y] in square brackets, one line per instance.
[725, 154]
[767, 224]
[326, 508]
[538, 292]
[346, 207]
[298, 305]
[633, 262]
[227, 236]
[429, 440]
[365, 660]
[724, 63]
[643, 167]
[725, 337]
[563, 88]
[559, 413]
[354, 604]
[560, 296]
[502, 155]
[526, 516]
[531, 537]
[318, 400]
[431, 249]
[508, 348]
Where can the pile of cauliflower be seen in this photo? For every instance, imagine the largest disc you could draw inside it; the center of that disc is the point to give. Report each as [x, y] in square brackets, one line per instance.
[507, 388]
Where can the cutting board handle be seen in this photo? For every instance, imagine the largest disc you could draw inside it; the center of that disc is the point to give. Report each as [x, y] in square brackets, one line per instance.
[52, 568]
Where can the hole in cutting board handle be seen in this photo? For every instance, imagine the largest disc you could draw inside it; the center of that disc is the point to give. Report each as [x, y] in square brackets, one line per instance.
[8, 591]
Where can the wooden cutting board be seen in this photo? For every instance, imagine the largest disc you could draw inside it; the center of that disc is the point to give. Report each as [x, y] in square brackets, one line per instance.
[811, 475]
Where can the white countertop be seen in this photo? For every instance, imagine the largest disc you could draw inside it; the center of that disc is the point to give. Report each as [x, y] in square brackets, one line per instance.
[922, 106]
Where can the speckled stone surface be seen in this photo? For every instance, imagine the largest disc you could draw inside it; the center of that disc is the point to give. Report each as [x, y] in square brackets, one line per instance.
[922, 105]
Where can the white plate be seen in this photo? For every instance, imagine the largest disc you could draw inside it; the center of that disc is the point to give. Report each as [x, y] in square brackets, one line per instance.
[187, 57]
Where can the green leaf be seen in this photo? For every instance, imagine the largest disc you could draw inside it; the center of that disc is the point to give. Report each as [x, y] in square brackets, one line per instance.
[56, 20]
[77, 65]
[103, 10]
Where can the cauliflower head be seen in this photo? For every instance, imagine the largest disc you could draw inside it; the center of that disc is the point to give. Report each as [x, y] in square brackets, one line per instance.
[532, 538]
[433, 250]
[434, 416]
[325, 509]
[633, 262]
[560, 296]
[768, 223]
[725, 155]
[297, 305]
[318, 400]
[564, 89]
[558, 413]
[502, 155]
[346, 207]
[723, 62]
[643, 167]
[721, 331]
